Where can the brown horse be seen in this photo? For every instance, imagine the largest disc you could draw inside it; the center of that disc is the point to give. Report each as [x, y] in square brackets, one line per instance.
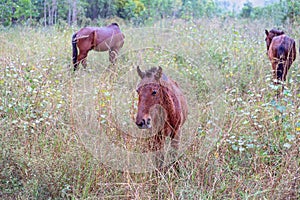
[281, 50]
[161, 107]
[109, 38]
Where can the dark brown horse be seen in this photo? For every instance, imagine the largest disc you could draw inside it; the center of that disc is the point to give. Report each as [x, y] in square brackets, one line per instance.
[109, 38]
[281, 50]
[161, 107]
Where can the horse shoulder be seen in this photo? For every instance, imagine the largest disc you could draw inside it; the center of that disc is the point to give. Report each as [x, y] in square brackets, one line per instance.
[182, 102]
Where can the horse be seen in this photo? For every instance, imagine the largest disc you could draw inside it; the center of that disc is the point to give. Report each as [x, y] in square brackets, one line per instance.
[162, 107]
[109, 38]
[281, 50]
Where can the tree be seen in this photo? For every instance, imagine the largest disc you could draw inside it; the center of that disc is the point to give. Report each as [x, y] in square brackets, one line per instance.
[74, 12]
[293, 10]
[101, 8]
[247, 9]
[21, 10]
[7, 9]
[129, 9]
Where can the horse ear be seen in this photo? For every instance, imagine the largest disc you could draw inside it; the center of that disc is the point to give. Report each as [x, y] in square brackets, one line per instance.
[140, 73]
[267, 32]
[158, 73]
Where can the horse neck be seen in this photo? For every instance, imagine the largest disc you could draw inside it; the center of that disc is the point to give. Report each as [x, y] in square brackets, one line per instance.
[170, 102]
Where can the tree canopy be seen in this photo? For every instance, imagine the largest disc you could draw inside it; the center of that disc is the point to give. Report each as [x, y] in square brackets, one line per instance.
[51, 12]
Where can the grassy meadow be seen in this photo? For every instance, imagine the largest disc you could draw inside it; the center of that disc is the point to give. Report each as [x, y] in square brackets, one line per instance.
[67, 135]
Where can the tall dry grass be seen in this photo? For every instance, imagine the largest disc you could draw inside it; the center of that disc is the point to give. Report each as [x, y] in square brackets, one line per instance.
[62, 133]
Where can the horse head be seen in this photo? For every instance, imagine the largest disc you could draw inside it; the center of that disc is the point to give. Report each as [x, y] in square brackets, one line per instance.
[270, 35]
[150, 97]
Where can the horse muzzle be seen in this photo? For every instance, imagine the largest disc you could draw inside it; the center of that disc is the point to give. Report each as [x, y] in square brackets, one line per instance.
[144, 123]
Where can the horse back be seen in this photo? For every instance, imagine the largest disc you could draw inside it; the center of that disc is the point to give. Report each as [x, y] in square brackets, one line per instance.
[282, 47]
[108, 38]
[102, 38]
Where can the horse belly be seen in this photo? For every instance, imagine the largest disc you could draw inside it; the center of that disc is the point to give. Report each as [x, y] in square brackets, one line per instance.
[116, 41]
[102, 47]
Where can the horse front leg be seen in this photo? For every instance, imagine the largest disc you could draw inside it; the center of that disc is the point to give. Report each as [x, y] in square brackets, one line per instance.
[156, 146]
[113, 54]
[175, 142]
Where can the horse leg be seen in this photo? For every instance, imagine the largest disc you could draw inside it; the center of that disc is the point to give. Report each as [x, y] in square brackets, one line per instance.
[82, 58]
[274, 71]
[113, 56]
[156, 145]
[285, 70]
[84, 62]
[175, 142]
[275, 76]
[288, 65]
[76, 65]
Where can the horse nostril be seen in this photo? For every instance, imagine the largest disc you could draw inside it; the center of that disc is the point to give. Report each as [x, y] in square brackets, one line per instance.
[148, 121]
[144, 123]
[139, 124]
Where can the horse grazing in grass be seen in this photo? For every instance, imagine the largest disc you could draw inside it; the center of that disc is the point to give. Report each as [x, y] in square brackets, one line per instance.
[162, 107]
[109, 38]
[281, 50]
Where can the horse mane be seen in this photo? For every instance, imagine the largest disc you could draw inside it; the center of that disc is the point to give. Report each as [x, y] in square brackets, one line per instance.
[151, 72]
[149, 77]
[276, 32]
[115, 24]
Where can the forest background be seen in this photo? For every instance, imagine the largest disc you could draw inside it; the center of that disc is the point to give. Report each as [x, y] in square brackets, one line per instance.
[86, 12]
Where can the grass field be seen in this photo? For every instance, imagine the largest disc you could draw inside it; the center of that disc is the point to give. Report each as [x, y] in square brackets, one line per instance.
[62, 133]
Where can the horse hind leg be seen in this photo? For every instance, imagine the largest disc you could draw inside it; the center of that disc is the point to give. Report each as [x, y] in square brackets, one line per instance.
[82, 58]
[84, 62]
[285, 70]
[280, 72]
[274, 71]
[76, 65]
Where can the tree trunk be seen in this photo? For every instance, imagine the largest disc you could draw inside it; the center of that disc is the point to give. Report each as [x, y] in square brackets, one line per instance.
[74, 14]
[70, 12]
[45, 13]
[54, 11]
[49, 16]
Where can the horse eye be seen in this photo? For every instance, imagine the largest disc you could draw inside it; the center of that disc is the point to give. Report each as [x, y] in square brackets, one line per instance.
[154, 92]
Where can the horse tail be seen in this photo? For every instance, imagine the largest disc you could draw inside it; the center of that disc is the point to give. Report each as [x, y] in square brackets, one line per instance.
[280, 67]
[75, 52]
